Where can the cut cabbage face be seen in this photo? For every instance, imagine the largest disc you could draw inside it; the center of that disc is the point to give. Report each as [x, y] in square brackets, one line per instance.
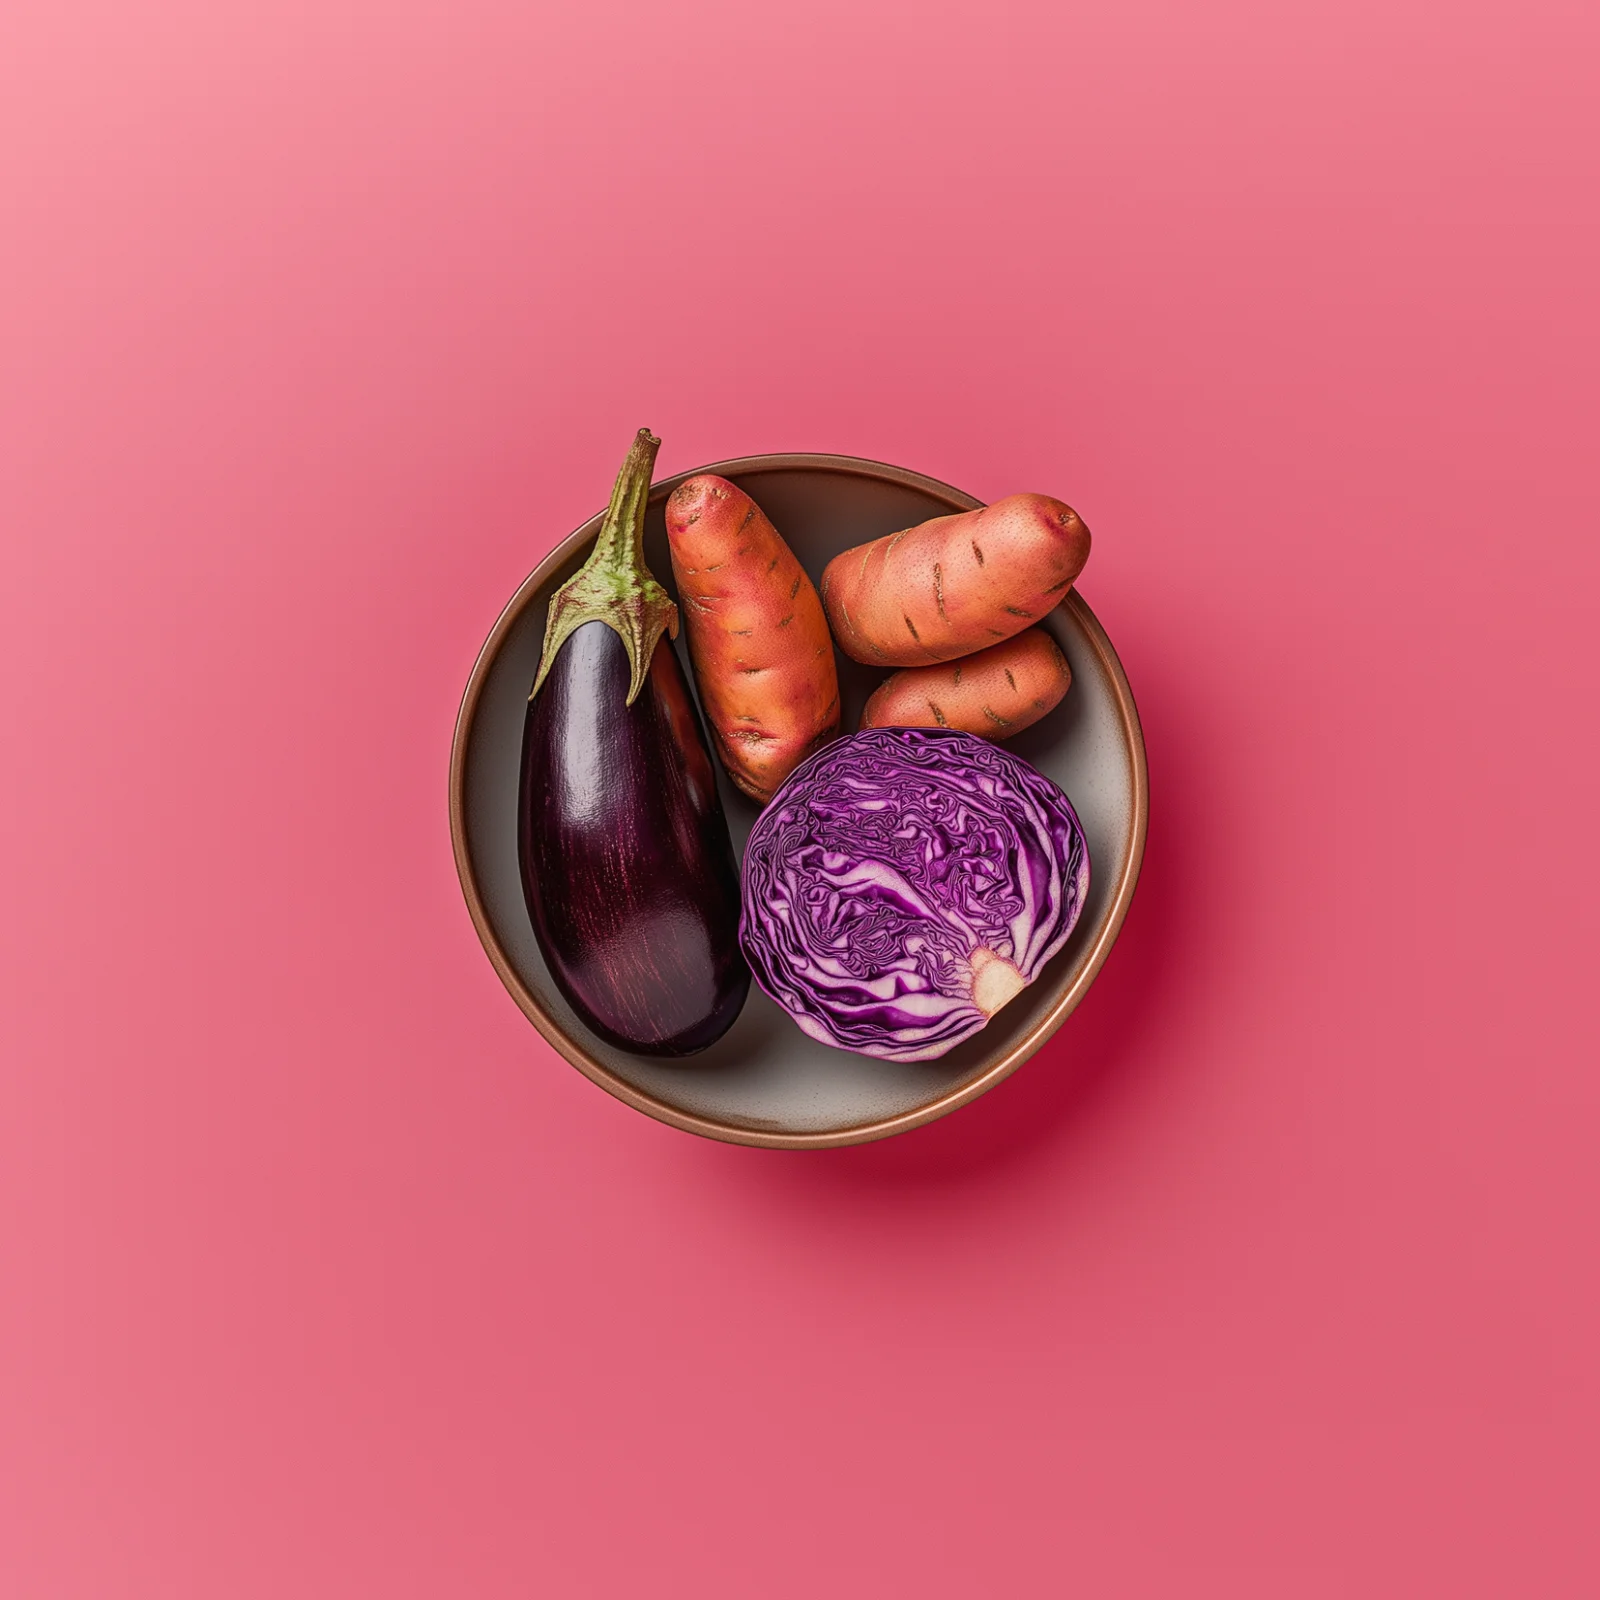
[904, 884]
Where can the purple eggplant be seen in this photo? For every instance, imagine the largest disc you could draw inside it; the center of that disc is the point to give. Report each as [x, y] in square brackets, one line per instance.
[627, 865]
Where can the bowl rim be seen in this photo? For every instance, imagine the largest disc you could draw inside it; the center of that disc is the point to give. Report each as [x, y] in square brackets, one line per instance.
[709, 1127]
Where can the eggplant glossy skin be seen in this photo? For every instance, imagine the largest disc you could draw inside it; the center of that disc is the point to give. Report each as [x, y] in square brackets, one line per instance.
[627, 864]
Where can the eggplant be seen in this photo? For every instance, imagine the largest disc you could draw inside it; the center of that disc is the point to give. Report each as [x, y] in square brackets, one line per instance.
[627, 865]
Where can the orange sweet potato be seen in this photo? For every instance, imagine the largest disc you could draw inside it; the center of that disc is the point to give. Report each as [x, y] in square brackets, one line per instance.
[956, 584]
[994, 693]
[757, 635]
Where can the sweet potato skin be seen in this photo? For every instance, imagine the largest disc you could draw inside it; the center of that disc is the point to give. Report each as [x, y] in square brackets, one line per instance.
[762, 655]
[955, 584]
[993, 693]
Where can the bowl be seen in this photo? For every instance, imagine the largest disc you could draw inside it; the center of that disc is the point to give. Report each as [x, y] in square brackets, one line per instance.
[764, 1082]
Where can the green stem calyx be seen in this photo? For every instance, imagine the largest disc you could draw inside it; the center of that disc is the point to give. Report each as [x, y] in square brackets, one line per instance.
[614, 586]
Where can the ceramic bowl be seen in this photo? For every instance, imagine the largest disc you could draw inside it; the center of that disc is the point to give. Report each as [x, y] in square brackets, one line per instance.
[764, 1082]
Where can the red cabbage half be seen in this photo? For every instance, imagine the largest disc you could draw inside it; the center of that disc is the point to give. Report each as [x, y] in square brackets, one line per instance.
[903, 884]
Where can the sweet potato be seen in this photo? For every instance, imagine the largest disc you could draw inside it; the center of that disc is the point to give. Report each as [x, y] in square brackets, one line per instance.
[956, 584]
[757, 635]
[994, 693]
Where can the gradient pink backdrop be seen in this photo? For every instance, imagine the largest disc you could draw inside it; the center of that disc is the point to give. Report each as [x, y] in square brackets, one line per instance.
[1274, 1275]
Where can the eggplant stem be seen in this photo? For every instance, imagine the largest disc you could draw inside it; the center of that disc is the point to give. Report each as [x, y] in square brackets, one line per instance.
[614, 586]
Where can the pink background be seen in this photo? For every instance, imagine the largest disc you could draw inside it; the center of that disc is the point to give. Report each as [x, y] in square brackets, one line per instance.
[1274, 1275]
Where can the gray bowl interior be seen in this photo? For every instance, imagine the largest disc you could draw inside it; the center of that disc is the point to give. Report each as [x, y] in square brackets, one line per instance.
[764, 1074]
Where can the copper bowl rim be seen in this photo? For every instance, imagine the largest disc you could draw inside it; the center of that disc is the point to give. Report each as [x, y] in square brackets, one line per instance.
[732, 1133]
